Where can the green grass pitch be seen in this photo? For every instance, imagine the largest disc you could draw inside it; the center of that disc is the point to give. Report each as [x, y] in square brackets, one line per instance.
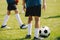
[50, 18]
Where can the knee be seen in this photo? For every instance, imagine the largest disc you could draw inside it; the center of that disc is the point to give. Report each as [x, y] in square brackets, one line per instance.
[30, 18]
[37, 19]
[8, 12]
[16, 11]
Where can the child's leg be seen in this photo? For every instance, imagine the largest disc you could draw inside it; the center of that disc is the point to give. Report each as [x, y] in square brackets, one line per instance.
[22, 26]
[6, 18]
[29, 27]
[37, 23]
[18, 17]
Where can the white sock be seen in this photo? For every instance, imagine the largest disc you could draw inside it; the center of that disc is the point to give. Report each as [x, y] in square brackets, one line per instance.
[29, 28]
[36, 32]
[19, 19]
[5, 20]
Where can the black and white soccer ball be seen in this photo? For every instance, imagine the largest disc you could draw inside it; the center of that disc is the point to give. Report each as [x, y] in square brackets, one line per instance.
[44, 32]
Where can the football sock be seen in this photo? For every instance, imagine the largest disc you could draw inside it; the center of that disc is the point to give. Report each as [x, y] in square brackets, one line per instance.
[5, 20]
[19, 19]
[36, 32]
[29, 28]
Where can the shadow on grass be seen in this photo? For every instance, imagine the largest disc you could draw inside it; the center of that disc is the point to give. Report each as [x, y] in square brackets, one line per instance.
[58, 38]
[52, 17]
[22, 39]
[4, 29]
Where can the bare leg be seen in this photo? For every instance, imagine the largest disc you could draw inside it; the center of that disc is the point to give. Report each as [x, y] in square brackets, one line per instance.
[37, 23]
[18, 17]
[29, 25]
[6, 18]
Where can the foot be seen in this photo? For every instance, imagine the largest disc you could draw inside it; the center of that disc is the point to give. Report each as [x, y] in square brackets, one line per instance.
[5, 27]
[28, 36]
[23, 26]
[36, 38]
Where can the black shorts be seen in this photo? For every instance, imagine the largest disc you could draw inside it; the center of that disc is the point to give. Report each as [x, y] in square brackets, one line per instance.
[33, 11]
[11, 7]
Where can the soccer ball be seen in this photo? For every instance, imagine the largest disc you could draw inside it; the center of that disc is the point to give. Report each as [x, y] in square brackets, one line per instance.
[44, 32]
